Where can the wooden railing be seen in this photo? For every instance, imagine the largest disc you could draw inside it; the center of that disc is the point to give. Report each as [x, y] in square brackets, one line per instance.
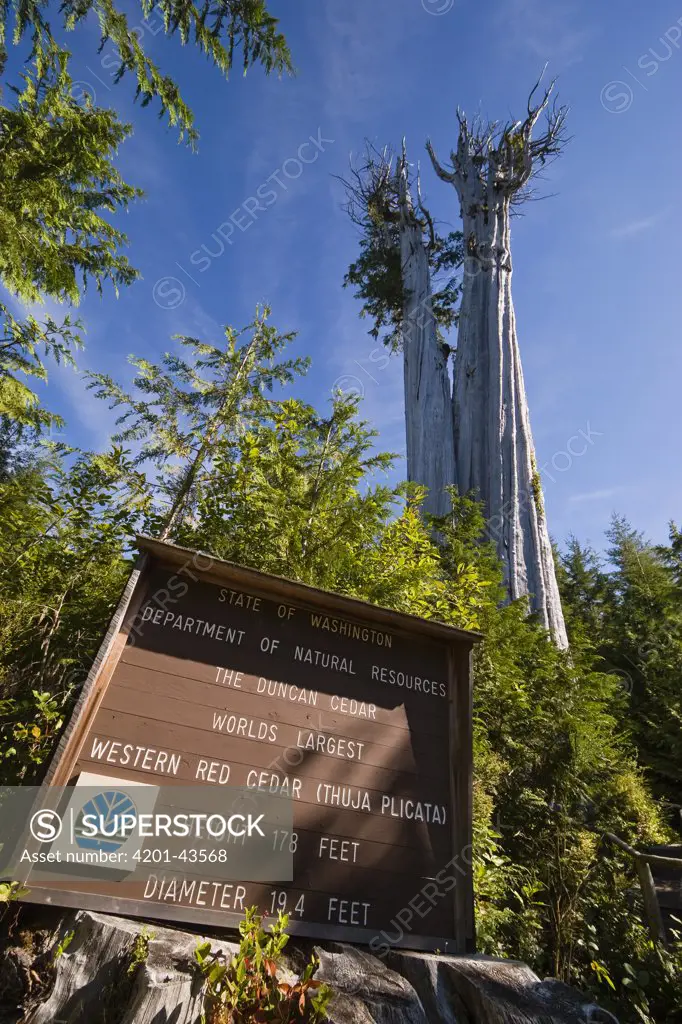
[644, 863]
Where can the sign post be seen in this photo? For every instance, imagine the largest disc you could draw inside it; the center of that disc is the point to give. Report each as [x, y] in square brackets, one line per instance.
[213, 675]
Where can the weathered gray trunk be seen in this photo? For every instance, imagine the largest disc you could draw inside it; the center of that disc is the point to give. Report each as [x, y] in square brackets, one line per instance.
[428, 401]
[494, 450]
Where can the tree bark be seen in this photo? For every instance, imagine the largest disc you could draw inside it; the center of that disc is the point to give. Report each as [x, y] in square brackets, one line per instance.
[493, 441]
[428, 400]
[494, 450]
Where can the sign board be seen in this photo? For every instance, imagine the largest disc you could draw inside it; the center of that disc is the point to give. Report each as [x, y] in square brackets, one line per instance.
[215, 675]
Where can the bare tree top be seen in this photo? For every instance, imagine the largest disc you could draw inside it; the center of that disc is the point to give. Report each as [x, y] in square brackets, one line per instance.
[505, 157]
[383, 198]
[381, 186]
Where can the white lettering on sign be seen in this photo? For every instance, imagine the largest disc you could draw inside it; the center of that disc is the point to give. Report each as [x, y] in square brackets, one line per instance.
[414, 810]
[351, 912]
[225, 895]
[148, 759]
[228, 677]
[190, 624]
[287, 691]
[239, 600]
[343, 796]
[249, 728]
[213, 771]
[410, 682]
[351, 630]
[358, 708]
[323, 743]
[338, 849]
[274, 783]
[324, 660]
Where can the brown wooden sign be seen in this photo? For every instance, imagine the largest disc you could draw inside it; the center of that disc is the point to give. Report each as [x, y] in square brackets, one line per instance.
[214, 674]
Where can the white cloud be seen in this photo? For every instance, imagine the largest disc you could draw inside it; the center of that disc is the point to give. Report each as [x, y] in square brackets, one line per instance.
[598, 495]
[636, 227]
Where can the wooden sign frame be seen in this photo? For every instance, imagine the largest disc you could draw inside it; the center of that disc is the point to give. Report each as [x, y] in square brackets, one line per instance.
[459, 643]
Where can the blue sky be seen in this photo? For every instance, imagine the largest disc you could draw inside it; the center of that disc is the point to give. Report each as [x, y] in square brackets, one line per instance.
[596, 264]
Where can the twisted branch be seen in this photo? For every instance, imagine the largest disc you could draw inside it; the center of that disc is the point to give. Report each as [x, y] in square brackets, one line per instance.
[505, 158]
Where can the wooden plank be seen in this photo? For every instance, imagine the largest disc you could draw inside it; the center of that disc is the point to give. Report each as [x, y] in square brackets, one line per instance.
[113, 904]
[177, 677]
[130, 728]
[273, 769]
[390, 858]
[652, 909]
[317, 876]
[320, 863]
[372, 910]
[461, 755]
[155, 703]
[316, 849]
[203, 603]
[296, 655]
[338, 820]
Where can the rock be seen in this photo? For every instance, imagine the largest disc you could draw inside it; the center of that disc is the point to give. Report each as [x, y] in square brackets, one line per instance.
[93, 971]
[492, 991]
[91, 983]
[15, 978]
[26, 973]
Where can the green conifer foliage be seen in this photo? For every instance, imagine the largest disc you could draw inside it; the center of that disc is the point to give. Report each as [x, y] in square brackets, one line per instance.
[58, 183]
[219, 28]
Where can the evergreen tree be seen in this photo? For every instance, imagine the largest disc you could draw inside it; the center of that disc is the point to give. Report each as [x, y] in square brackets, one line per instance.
[642, 637]
[182, 410]
[583, 585]
[57, 181]
[219, 29]
[68, 520]
[629, 612]
[672, 555]
[58, 176]
[293, 496]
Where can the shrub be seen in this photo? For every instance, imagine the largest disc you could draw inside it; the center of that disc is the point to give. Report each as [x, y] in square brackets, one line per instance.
[246, 989]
